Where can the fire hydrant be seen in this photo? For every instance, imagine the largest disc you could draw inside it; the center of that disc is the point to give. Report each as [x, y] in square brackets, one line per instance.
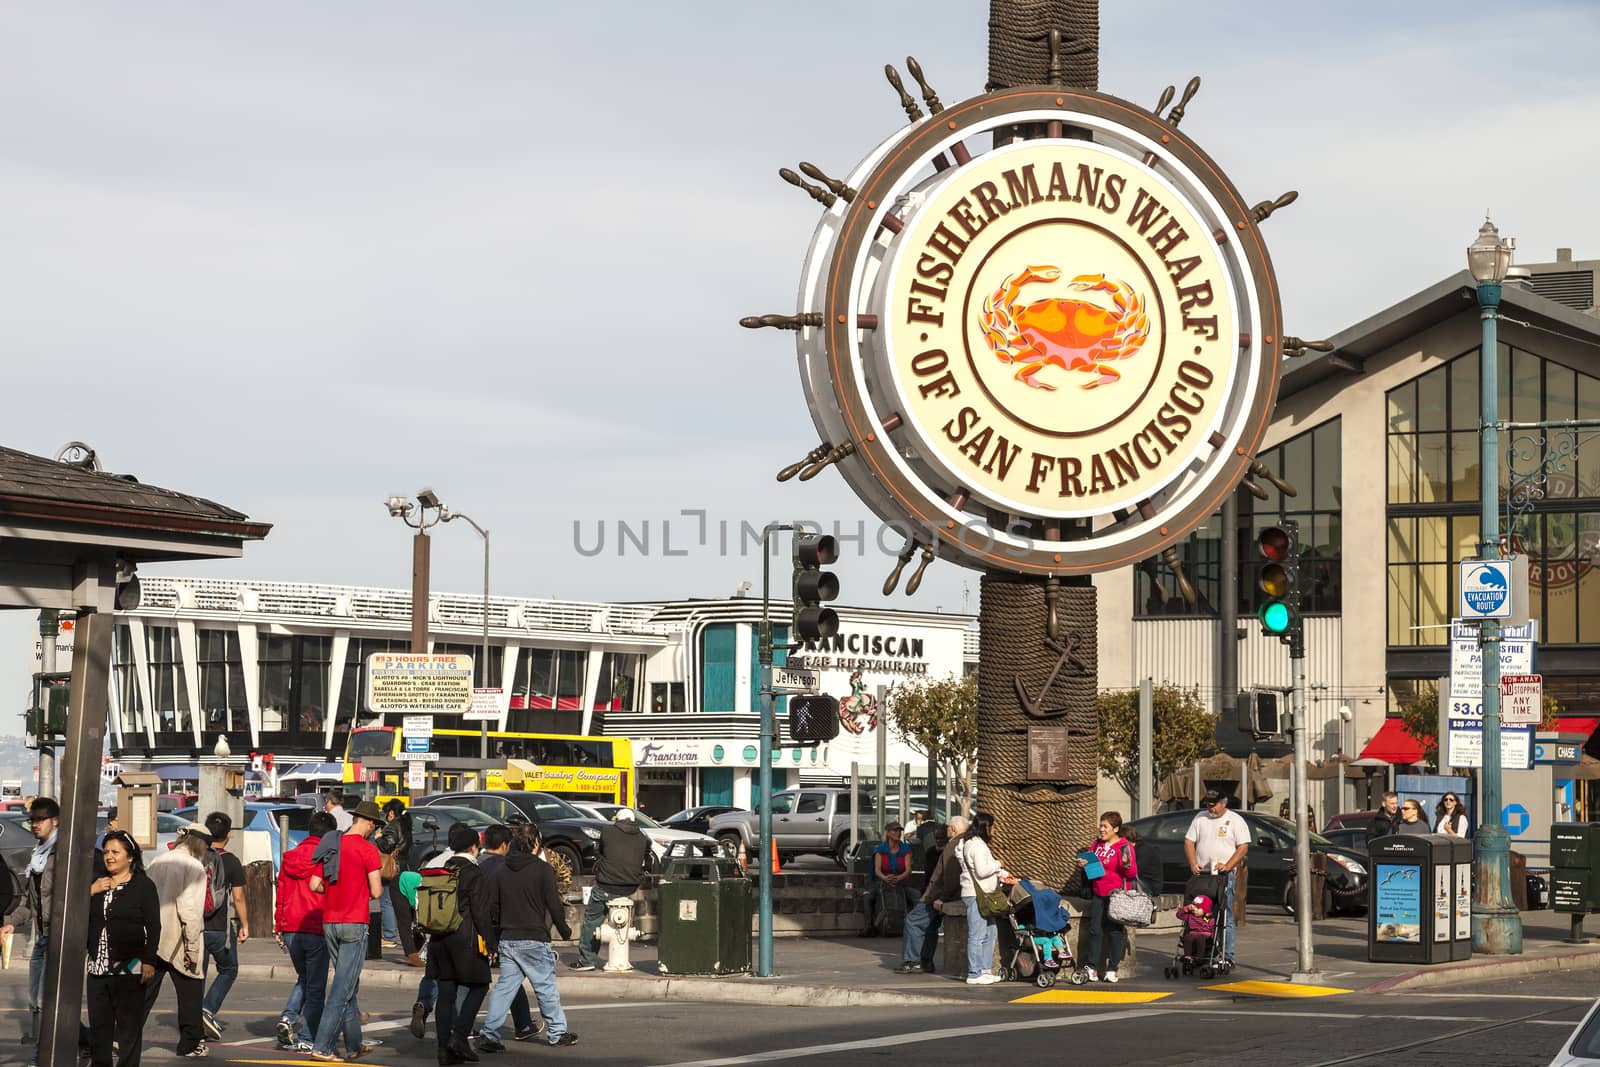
[617, 931]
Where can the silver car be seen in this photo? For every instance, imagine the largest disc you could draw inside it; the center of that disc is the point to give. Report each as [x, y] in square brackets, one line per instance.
[661, 837]
[1583, 1047]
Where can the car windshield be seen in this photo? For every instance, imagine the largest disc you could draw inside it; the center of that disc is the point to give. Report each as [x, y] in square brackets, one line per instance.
[549, 807]
[1287, 827]
[448, 813]
[609, 811]
[168, 823]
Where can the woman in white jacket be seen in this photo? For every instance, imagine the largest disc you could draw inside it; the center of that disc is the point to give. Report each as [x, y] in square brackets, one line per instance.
[180, 879]
[979, 871]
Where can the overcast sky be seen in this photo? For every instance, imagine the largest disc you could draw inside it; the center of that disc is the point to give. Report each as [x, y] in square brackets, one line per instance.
[295, 257]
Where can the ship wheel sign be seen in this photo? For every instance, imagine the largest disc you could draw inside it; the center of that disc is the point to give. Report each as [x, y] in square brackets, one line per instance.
[1038, 331]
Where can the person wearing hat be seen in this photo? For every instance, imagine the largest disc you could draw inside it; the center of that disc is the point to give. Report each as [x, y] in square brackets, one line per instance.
[346, 906]
[618, 867]
[180, 879]
[891, 873]
[1216, 843]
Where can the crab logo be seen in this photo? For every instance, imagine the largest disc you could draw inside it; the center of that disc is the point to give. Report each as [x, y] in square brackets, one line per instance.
[1067, 333]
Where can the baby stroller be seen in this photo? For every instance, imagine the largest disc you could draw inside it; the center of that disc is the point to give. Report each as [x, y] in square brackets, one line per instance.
[1209, 960]
[1040, 923]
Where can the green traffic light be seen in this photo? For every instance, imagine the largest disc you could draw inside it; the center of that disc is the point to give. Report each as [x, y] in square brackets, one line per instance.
[1275, 616]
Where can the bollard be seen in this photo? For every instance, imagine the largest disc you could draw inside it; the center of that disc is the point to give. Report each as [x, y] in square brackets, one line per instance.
[955, 938]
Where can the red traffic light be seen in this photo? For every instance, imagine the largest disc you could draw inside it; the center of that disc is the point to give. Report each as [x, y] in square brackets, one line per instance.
[1274, 542]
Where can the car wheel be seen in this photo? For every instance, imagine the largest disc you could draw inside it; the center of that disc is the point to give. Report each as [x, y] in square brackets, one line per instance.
[569, 856]
[841, 852]
[730, 842]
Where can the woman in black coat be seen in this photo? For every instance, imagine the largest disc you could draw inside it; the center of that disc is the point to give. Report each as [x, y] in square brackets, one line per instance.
[124, 931]
[458, 959]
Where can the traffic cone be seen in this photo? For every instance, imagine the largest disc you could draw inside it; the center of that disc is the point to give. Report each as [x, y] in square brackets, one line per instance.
[5, 952]
[744, 860]
[774, 857]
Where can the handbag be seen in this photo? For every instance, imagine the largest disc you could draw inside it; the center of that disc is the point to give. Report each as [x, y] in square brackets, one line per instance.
[992, 903]
[390, 868]
[1131, 907]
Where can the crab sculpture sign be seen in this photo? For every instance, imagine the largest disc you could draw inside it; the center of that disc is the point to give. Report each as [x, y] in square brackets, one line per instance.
[1039, 332]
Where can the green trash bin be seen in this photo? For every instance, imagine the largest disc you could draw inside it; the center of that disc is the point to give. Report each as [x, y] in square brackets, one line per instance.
[705, 912]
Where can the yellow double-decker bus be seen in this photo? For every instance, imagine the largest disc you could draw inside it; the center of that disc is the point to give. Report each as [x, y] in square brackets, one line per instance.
[574, 767]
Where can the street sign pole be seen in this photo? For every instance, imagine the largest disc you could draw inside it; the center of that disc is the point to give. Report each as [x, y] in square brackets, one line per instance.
[764, 775]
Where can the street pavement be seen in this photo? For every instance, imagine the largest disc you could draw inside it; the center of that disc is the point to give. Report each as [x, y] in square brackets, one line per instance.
[1508, 1024]
[855, 1010]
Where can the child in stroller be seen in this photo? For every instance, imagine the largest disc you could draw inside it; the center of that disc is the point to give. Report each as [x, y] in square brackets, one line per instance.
[1204, 919]
[1040, 923]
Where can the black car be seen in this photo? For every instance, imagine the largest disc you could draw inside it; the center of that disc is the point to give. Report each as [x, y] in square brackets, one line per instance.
[1271, 858]
[696, 820]
[566, 831]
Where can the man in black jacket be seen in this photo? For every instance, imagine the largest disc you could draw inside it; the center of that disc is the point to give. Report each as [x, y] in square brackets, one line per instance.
[1387, 819]
[616, 874]
[523, 904]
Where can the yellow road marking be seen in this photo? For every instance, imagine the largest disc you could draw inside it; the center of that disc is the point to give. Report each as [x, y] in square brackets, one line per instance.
[1090, 996]
[1287, 990]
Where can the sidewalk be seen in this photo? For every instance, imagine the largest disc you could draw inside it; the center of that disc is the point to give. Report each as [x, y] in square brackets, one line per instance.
[855, 972]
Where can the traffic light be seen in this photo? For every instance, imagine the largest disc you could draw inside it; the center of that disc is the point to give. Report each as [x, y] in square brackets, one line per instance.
[813, 586]
[1279, 613]
[47, 719]
[813, 718]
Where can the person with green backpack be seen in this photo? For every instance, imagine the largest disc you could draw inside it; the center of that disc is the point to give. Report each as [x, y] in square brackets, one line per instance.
[451, 910]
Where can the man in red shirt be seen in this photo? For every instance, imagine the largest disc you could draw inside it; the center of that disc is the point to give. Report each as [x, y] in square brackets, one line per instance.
[298, 922]
[349, 887]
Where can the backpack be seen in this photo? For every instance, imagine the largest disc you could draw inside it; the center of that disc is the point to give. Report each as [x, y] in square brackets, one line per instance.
[216, 882]
[439, 901]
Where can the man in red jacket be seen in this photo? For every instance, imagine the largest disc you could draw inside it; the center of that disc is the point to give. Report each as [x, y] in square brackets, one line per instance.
[299, 928]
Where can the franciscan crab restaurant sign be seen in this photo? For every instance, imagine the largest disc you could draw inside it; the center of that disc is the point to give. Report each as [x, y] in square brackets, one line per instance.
[1063, 329]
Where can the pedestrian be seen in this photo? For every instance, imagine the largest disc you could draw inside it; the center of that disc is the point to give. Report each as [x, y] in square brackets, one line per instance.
[224, 931]
[459, 959]
[1217, 842]
[891, 873]
[350, 887]
[1383, 823]
[492, 860]
[394, 844]
[1450, 817]
[1119, 869]
[124, 930]
[299, 932]
[1412, 821]
[921, 934]
[980, 871]
[33, 905]
[333, 804]
[428, 987]
[180, 879]
[523, 904]
[617, 870]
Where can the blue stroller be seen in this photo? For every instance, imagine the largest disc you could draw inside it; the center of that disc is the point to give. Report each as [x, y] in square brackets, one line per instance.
[1041, 924]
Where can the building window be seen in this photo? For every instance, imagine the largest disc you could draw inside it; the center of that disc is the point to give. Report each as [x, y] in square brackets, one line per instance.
[667, 697]
[1434, 465]
[294, 688]
[169, 690]
[129, 700]
[718, 667]
[620, 675]
[545, 679]
[1311, 463]
[222, 700]
[489, 679]
[353, 688]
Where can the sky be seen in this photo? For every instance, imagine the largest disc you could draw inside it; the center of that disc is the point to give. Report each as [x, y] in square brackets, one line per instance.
[297, 257]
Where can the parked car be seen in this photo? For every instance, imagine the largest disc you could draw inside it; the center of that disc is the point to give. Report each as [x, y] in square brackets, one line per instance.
[1353, 838]
[430, 829]
[661, 837]
[696, 820]
[260, 819]
[1353, 820]
[1582, 1049]
[813, 820]
[567, 832]
[1270, 858]
[174, 801]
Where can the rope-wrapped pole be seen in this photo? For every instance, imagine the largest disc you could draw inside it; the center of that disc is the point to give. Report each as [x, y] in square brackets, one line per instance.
[1040, 823]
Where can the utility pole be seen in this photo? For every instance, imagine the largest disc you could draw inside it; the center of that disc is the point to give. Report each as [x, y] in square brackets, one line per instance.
[764, 774]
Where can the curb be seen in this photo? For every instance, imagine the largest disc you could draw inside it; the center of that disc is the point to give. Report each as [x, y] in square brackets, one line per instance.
[1463, 973]
[734, 989]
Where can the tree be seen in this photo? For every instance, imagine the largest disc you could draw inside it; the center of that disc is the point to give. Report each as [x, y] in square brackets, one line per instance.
[939, 718]
[1184, 731]
[1421, 720]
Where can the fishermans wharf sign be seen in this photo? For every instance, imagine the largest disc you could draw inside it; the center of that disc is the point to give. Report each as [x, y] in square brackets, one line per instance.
[1042, 334]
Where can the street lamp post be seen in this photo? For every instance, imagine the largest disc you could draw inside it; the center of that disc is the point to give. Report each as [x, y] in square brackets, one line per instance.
[450, 516]
[1496, 923]
[401, 508]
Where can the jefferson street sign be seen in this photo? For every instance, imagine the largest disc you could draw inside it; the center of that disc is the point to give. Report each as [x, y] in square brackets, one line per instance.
[795, 680]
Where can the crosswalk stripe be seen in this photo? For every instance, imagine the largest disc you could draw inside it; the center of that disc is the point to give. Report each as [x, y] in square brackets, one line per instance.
[1090, 996]
[1284, 990]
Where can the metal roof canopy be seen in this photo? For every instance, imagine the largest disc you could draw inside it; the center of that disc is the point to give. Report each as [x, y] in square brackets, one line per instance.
[68, 530]
[1433, 305]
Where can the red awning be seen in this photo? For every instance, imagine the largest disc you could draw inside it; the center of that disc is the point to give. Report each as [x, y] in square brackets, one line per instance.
[1393, 744]
[1575, 724]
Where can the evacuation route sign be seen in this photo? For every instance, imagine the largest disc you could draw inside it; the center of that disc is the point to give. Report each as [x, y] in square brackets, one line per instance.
[400, 682]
